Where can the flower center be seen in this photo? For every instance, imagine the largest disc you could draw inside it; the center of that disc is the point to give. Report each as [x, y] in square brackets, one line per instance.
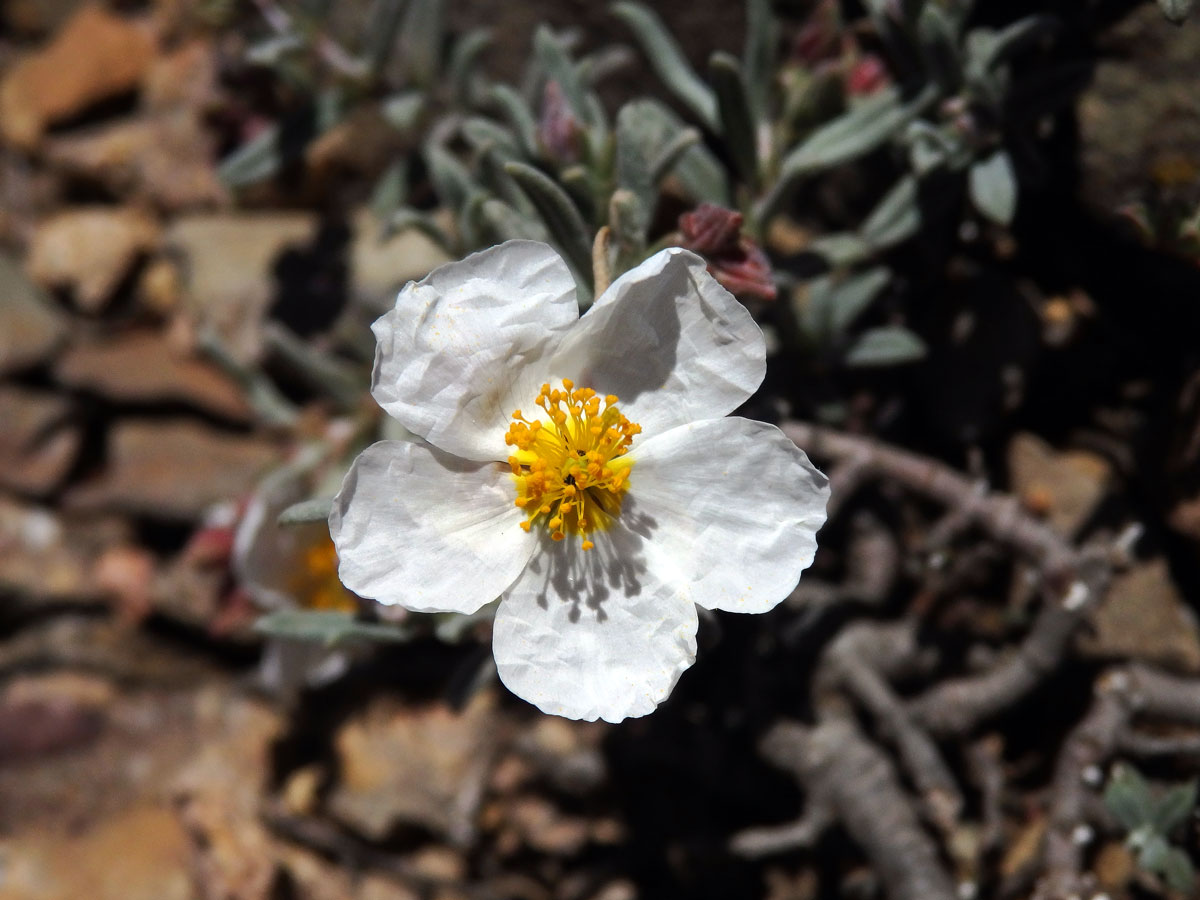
[315, 583]
[570, 466]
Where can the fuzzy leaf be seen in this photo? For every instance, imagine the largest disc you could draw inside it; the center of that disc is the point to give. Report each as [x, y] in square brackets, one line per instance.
[990, 48]
[502, 222]
[407, 217]
[561, 216]
[857, 132]
[451, 180]
[841, 249]
[645, 129]
[1153, 853]
[670, 155]
[327, 627]
[481, 133]
[315, 509]
[379, 35]
[993, 187]
[939, 46]
[559, 67]
[887, 346]
[464, 62]
[864, 128]
[403, 110]
[1178, 872]
[422, 34]
[1173, 808]
[667, 59]
[520, 118]
[834, 303]
[1176, 11]
[257, 159]
[391, 191]
[1127, 796]
[758, 55]
[896, 218]
[737, 114]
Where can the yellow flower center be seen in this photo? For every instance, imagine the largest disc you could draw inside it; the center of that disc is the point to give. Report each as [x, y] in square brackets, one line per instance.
[315, 583]
[570, 466]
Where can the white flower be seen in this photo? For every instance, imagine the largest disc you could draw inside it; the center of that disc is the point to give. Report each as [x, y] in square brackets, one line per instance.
[291, 567]
[598, 536]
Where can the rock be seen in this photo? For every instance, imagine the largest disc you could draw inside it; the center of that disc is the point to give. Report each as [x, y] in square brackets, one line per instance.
[164, 159]
[142, 367]
[379, 268]
[1064, 486]
[228, 265]
[43, 557]
[196, 596]
[30, 328]
[40, 715]
[173, 469]
[140, 854]
[160, 288]
[438, 863]
[422, 766]
[38, 443]
[376, 887]
[1144, 617]
[218, 793]
[96, 55]
[545, 829]
[184, 78]
[37, 17]
[90, 250]
[1139, 123]
[163, 155]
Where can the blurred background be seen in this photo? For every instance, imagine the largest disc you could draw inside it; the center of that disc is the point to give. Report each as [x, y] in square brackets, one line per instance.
[970, 232]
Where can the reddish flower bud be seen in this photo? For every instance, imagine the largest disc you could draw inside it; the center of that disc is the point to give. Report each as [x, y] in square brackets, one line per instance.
[738, 264]
[866, 76]
[710, 228]
[558, 130]
[818, 39]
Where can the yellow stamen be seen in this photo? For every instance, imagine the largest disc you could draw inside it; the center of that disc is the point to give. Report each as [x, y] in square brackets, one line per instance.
[570, 466]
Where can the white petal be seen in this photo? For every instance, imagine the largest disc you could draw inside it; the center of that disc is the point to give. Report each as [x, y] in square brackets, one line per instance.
[470, 343]
[593, 634]
[670, 342]
[732, 506]
[428, 531]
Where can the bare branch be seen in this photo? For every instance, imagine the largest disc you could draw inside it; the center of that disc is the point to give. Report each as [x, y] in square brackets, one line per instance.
[844, 772]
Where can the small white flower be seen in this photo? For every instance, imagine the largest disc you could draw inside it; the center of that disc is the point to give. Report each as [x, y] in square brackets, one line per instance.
[599, 522]
[292, 567]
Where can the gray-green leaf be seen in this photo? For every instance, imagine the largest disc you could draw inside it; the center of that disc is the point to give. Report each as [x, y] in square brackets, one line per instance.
[1176, 11]
[887, 346]
[327, 627]
[1127, 796]
[834, 303]
[1173, 807]
[993, 187]
[1178, 871]
[315, 509]
[737, 114]
[667, 59]
[562, 218]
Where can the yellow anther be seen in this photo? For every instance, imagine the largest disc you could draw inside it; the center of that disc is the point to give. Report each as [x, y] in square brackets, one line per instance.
[562, 467]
